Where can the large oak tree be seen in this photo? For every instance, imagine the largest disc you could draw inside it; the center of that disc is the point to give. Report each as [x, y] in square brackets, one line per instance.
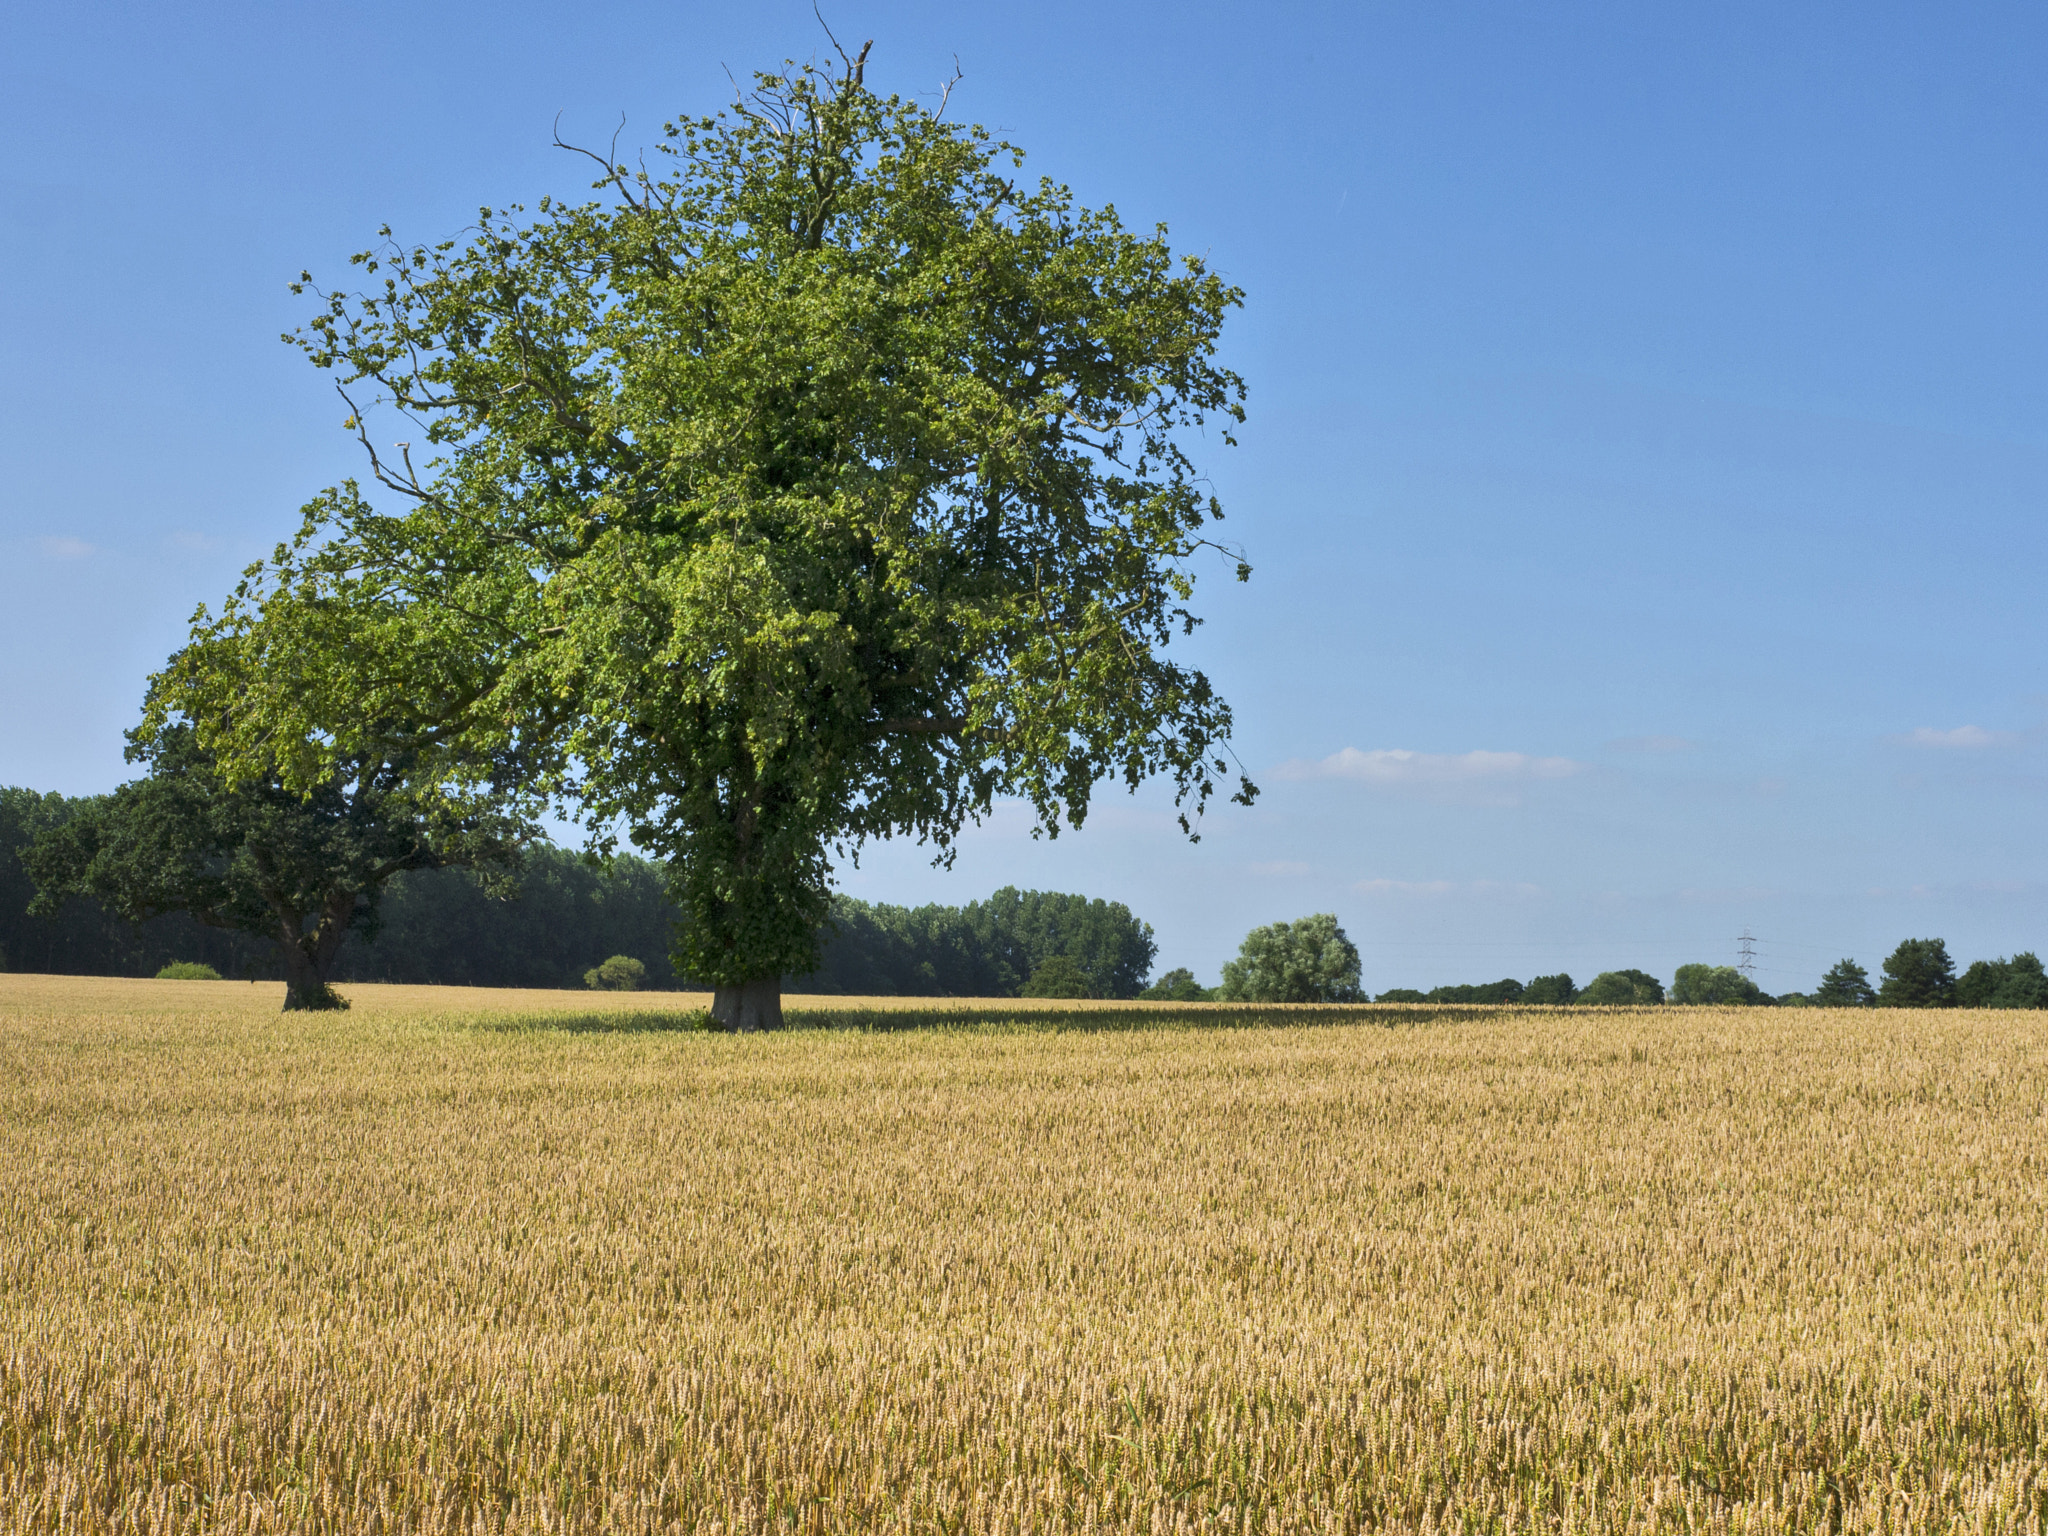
[822, 482]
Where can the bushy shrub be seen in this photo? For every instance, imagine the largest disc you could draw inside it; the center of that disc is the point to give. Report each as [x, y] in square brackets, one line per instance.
[187, 970]
[1057, 976]
[1623, 989]
[621, 973]
[1715, 986]
[1177, 986]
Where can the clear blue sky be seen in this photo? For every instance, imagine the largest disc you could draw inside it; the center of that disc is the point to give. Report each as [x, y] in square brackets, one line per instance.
[1651, 400]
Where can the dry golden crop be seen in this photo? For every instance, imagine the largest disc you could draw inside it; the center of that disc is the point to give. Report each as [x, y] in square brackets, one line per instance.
[438, 1265]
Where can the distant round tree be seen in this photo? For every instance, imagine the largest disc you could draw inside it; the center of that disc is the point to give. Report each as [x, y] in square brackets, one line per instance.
[1623, 989]
[1555, 991]
[1309, 960]
[1918, 974]
[1058, 976]
[1176, 986]
[621, 973]
[1720, 986]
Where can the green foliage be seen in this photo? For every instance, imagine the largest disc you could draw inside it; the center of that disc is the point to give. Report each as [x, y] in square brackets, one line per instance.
[1622, 989]
[188, 970]
[1918, 974]
[2016, 983]
[621, 973]
[1846, 985]
[1546, 990]
[80, 937]
[821, 486]
[1307, 961]
[1507, 990]
[1715, 986]
[564, 914]
[300, 870]
[1057, 976]
[986, 949]
[1178, 986]
[1111, 947]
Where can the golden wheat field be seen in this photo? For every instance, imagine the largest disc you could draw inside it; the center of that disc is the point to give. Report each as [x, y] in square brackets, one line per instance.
[465, 1261]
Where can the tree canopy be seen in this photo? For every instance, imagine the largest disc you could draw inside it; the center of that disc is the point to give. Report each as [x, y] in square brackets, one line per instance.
[1918, 974]
[1310, 960]
[1506, 990]
[1846, 985]
[1178, 986]
[992, 948]
[1715, 985]
[2019, 982]
[1555, 990]
[301, 870]
[821, 483]
[1628, 988]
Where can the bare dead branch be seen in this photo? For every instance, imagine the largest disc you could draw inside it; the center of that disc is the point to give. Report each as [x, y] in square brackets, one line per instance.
[946, 91]
[612, 173]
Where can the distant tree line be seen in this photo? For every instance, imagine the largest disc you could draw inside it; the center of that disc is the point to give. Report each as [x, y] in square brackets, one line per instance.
[116, 903]
[545, 926]
[1919, 974]
[1625, 989]
[1017, 943]
[557, 919]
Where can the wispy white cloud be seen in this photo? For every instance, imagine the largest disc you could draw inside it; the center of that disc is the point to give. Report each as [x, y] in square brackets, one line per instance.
[1652, 744]
[1397, 766]
[1520, 890]
[60, 547]
[1962, 738]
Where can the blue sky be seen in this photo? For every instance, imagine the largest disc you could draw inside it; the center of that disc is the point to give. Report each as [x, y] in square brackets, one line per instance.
[1643, 477]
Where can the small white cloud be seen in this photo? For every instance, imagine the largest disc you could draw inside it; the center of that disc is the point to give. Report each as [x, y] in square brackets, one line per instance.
[1398, 766]
[1963, 737]
[63, 548]
[1652, 744]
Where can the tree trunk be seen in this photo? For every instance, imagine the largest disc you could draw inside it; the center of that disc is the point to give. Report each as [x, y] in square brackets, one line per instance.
[309, 958]
[750, 1006]
[305, 982]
